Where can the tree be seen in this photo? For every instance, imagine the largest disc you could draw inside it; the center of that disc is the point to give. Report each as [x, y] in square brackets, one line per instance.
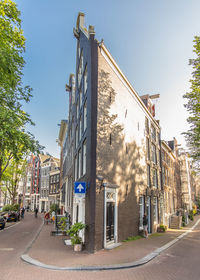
[11, 178]
[193, 106]
[14, 140]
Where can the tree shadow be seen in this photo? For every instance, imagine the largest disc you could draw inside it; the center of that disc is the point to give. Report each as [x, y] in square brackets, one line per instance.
[118, 161]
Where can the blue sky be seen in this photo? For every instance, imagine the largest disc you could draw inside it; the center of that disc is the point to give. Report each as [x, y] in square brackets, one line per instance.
[151, 40]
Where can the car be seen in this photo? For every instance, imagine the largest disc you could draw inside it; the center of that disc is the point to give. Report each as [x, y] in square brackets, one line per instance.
[12, 216]
[2, 222]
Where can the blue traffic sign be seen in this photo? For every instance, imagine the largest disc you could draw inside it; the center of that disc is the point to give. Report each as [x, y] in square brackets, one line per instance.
[80, 187]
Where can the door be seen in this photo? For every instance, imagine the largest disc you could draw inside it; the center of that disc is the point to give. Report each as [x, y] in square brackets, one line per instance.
[110, 210]
[149, 213]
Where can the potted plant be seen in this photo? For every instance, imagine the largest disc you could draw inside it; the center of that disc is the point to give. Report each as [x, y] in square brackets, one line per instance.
[63, 225]
[162, 228]
[73, 232]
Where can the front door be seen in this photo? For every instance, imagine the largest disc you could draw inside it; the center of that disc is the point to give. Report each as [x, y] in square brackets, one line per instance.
[110, 210]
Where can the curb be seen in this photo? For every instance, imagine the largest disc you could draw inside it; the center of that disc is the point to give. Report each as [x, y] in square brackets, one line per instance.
[26, 258]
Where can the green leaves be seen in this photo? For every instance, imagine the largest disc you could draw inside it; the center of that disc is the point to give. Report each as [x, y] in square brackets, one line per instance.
[193, 106]
[15, 142]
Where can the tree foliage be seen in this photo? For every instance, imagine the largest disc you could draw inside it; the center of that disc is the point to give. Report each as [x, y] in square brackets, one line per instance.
[11, 177]
[193, 106]
[14, 140]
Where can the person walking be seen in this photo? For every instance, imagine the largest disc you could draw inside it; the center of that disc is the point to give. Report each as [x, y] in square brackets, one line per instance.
[22, 212]
[145, 226]
[36, 212]
[46, 218]
[53, 216]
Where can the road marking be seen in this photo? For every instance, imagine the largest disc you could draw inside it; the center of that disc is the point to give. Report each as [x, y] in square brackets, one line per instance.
[6, 249]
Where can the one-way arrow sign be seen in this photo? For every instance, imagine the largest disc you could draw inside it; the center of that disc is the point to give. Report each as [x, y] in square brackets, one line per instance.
[80, 187]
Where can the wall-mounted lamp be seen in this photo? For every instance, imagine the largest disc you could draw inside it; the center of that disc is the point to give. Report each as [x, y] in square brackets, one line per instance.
[101, 184]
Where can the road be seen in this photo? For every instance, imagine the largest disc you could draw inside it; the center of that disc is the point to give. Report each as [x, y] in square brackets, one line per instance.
[180, 262]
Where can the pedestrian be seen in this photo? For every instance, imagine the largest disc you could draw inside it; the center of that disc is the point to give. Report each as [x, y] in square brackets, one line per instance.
[36, 212]
[22, 212]
[53, 216]
[145, 226]
[46, 218]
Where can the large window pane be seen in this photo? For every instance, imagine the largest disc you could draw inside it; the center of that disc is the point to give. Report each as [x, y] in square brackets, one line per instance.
[85, 80]
[84, 157]
[85, 117]
[79, 164]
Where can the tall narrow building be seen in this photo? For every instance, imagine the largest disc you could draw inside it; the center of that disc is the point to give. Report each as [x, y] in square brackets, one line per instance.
[113, 145]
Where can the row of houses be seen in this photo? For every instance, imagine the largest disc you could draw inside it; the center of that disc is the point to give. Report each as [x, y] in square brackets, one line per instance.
[111, 142]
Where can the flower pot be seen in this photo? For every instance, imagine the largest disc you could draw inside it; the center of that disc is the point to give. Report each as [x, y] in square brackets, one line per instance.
[77, 247]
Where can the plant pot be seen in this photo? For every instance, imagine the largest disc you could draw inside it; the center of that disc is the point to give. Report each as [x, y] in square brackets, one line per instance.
[77, 247]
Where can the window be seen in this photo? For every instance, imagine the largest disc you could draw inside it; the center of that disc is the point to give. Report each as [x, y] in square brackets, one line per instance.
[85, 117]
[80, 128]
[79, 164]
[148, 175]
[141, 204]
[155, 209]
[75, 168]
[153, 154]
[84, 157]
[158, 137]
[147, 125]
[76, 137]
[147, 149]
[85, 80]
[80, 98]
[79, 50]
[77, 110]
[155, 178]
[163, 175]
[80, 69]
[153, 133]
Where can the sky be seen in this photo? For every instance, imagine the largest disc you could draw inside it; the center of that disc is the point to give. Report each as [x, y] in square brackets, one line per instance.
[151, 41]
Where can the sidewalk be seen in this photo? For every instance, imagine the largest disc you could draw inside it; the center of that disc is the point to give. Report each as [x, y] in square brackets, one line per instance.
[51, 252]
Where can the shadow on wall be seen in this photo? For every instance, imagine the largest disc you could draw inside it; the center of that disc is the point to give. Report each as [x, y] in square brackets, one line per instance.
[117, 161]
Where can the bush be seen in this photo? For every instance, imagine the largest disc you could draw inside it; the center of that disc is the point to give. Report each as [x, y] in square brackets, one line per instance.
[163, 227]
[183, 221]
[16, 207]
[191, 215]
[54, 207]
[9, 207]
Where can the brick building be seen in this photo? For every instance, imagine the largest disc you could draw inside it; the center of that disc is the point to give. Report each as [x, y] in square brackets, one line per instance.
[113, 144]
